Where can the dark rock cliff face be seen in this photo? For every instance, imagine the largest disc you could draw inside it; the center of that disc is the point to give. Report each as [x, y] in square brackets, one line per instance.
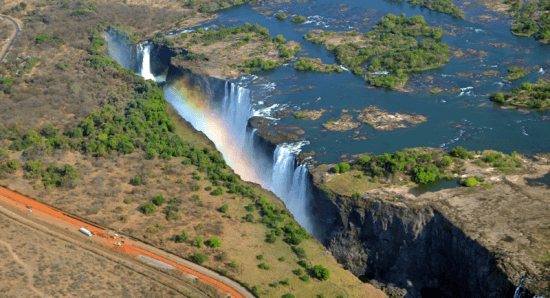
[411, 246]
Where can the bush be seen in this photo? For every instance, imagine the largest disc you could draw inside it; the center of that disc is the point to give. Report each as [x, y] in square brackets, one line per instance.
[249, 217]
[218, 191]
[304, 264]
[321, 272]
[148, 208]
[260, 257]
[298, 272]
[224, 208]
[280, 16]
[356, 195]
[41, 38]
[198, 241]
[159, 200]
[298, 19]
[344, 167]
[181, 237]
[459, 152]
[200, 258]
[288, 296]
[137, 181]
[214, 242]
[469, 182]
[281, 259]
[305, 278]
[264, 266]
[250, 208]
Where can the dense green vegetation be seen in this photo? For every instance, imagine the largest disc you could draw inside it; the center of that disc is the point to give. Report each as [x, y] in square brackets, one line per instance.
[298, 19]
[515, 73]
[444, 6]
[398, 45]
[426, 165]
[308, 64]
[535, 96]
[524, 26]
[212, 6]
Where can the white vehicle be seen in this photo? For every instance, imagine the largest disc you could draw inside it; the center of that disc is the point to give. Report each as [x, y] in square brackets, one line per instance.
[117, 243]
[83, 230]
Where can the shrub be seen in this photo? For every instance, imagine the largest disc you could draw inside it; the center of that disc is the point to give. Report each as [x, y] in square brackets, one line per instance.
[250, 208]
[356, 195]
[344, 167]
[148, 208]
[260, 257]
[288, 296]
[218, 191]
[304, 264]
[300, 115]
[128, 200]
[280, 16]
[159, 200]
[198, 241]
[281, 259]
[459, 152]
[208, 188]
[41, 38]
[180, 238]
[120, 208]
[321, 272]
[179, 181]
[214, 242]
[224, 208]
[249, 217]
[305, 278]
[137, 180]
[469, 182]
[298, 19]
[200, 258]
[300, 252]
[264, 266]
[152, 229]
[298, 272]
[196, 187]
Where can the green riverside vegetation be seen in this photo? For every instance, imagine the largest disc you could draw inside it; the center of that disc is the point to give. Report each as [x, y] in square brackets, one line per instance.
[534, 96]
[397, 45]
[425, 165]
[444, 6]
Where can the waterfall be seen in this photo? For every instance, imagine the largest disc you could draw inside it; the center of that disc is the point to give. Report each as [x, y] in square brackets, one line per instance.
[146, 62]
[521, 292]
[290, 182]
[225, 124]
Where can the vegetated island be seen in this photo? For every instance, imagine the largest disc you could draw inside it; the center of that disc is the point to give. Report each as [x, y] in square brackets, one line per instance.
[532, 18]
[444, 6]
[397, 45]
[384, 120]
[533, 96]
[229, 52]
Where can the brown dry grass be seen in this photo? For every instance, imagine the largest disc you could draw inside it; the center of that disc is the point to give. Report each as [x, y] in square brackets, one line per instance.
[61, 269]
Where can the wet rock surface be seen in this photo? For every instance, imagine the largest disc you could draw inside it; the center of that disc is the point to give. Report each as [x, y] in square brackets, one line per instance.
[274, 133]
[383, 120]
[465, 242]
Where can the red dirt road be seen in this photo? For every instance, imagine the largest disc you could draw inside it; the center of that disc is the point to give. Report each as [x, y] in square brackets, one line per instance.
[74, 223]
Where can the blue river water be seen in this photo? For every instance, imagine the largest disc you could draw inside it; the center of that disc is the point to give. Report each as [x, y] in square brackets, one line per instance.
[466, 118]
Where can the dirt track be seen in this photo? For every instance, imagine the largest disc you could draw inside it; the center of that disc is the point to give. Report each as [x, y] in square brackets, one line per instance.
[53, 221]
[17, 30]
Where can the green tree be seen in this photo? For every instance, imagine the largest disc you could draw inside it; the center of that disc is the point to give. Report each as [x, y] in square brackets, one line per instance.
[224, 208]
[180, 238]
[344, 167]
[214, 242]
[200, 258]
[159, 200]
[321, 272]
[198, 241]
[469, 182]
[137, 180]
[148, 208]
[288, 296]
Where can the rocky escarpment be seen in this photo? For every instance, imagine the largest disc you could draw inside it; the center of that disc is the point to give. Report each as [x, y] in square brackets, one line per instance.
[465, 242]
